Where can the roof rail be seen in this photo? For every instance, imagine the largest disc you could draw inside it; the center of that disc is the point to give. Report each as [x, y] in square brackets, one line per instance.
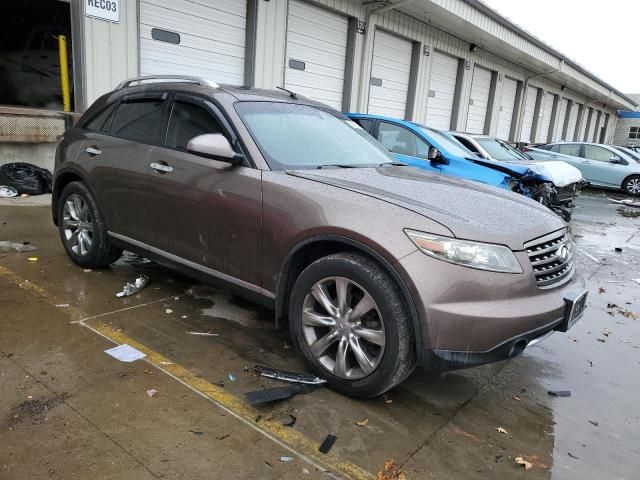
[182, 78]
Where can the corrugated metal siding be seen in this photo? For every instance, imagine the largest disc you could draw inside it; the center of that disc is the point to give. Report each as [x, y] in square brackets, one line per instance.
[478, 100]
[110, 51]
[392, 67]
[212, 38]
[317, 37]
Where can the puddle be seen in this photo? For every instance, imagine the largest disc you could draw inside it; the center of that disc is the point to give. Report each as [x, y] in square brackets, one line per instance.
[228, 307]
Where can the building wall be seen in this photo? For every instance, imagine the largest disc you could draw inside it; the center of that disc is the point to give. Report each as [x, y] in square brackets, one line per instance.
[621, 136]
[111, 54]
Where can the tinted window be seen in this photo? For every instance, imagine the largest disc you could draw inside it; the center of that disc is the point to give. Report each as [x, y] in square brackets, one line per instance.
[400, 140]
[188, 121]
[102, 121]
[138, 120]
[597, 153]
[364, 123]
[499, 150]
[573, 150]
[468, 144]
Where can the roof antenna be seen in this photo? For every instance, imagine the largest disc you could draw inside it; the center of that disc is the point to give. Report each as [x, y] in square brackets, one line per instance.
[291, 94]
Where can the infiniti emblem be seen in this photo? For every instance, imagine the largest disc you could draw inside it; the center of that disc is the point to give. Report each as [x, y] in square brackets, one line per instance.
[563, 253]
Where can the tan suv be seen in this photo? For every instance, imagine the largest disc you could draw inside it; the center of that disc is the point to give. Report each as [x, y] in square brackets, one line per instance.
[377, 266]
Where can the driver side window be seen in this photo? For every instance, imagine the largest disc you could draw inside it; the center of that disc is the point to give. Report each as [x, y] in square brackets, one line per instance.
[187, 121]
[402, 141]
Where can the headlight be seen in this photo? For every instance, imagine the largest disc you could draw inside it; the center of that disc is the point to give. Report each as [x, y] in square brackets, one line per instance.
[484, 256]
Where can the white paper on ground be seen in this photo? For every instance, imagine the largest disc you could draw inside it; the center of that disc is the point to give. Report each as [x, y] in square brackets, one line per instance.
[125, 353]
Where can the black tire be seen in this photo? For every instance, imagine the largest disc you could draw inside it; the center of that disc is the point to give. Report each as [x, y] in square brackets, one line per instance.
[399, 357]
[101, 253]
[630, 185]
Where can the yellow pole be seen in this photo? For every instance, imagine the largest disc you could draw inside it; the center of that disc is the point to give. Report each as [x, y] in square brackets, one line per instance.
[64, 73]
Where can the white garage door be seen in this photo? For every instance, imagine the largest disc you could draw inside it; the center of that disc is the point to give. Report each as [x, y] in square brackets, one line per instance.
[442, 88]
[316, 53]
[507, 105]
[193, 38]
[561, 117]
[545, 116]
[573, 119]
[529, 110]
[390, 72]
[596, 126]
[478, 100]
[583, 124]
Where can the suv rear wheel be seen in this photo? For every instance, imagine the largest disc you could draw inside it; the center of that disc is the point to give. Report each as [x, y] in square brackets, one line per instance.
[350, 323]
[82, 228]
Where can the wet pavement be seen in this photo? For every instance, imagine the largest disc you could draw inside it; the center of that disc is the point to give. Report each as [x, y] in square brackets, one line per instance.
[67, 410]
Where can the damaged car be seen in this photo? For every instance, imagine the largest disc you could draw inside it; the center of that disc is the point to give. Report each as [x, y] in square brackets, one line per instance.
[376, 267]
[424, 147]
[564, 180]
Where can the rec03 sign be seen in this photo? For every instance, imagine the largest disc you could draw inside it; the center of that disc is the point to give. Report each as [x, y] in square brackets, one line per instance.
[103, 9]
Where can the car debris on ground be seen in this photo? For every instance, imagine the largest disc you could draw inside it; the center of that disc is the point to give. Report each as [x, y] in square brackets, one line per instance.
[523, 462]
[132, 288]
[6, 245]
[204, 334]
[327, 444]
[559, 393]
[151, 392]
[268, 395]
[286, 376]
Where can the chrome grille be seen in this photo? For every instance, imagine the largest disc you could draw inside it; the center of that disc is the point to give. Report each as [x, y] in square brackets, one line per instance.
[551, 258]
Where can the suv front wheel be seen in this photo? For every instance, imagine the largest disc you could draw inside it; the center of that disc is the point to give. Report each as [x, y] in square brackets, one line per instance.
[349, 321]
[82, 228]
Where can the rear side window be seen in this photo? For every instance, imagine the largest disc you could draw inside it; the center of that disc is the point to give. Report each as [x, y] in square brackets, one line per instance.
[138, 120]
[188, 121]
[569, 150]
[467, 144]
[102, 121]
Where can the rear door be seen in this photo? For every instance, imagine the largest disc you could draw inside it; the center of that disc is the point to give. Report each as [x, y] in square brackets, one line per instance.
[115, 153]
[203, 211]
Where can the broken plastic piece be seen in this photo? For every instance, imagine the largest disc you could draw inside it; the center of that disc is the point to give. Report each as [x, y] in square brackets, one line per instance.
[285, 376]
[232, 377]
[151, 392]
[559, 393]
[523, 462]
[133, 288]
[259, 397]
[204, 334]
[286, 459]
[327, 444]
[618, 250]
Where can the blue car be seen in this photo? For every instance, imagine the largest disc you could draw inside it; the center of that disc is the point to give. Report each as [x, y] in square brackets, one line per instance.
[429, 149]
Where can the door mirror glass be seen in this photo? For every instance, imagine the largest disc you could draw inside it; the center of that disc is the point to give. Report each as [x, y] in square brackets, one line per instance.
[433, 154]
[215, 146]
[615, 159]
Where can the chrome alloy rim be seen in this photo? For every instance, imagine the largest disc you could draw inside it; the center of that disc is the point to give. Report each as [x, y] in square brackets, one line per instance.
[343, 328]
[634, 186]
[77, 224]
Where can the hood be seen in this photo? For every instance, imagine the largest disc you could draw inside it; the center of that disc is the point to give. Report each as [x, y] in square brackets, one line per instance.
[559, 173]
[471, 210]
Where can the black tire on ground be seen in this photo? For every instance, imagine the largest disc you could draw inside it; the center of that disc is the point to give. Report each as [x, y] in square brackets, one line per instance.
[101, 253]
[399, 357]
[631, 185]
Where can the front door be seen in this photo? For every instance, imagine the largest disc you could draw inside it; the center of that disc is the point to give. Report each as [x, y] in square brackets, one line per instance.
[406, 146]
[203, 211]
[599, 169]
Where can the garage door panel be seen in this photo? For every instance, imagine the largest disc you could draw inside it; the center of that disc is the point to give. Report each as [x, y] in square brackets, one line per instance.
[317, 37]
[478, 100]
[212, 38]
[442, 87]
[562, 115]
[507, 106]
[391, 64]
[529, 110]
[547, 110]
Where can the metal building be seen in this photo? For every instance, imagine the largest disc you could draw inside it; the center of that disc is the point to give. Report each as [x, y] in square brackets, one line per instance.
[451, 64]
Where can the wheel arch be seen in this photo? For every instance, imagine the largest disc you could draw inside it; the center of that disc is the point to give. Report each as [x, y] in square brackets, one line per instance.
[311, 249]
[627, 178]
[61, 180]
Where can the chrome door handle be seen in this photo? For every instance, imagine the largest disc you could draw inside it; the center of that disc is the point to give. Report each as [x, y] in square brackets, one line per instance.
[159, 167]
[93, 151]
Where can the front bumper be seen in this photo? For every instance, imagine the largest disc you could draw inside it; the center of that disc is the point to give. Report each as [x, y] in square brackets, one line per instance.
[469, 317]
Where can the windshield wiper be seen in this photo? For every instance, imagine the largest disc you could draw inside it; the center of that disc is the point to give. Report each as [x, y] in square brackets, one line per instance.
[335, 165]
[393, 164]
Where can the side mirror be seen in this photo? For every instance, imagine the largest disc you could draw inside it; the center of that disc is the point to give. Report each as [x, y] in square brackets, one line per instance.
[433, 154]
[214, 146]
[616, 160]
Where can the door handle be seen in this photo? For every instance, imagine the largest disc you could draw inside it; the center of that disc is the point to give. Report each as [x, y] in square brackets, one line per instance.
[93, 151]
[161, 168]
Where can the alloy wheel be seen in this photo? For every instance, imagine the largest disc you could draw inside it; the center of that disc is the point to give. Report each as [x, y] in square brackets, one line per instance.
[633, 186]
[77, 224]
[343, 328]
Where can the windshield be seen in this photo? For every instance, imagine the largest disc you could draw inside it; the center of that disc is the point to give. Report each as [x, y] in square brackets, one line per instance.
[500, 150]
[292, 136]
[448, 145]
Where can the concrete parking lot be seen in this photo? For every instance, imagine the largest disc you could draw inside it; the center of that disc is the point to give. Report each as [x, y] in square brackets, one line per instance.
[68, 410]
